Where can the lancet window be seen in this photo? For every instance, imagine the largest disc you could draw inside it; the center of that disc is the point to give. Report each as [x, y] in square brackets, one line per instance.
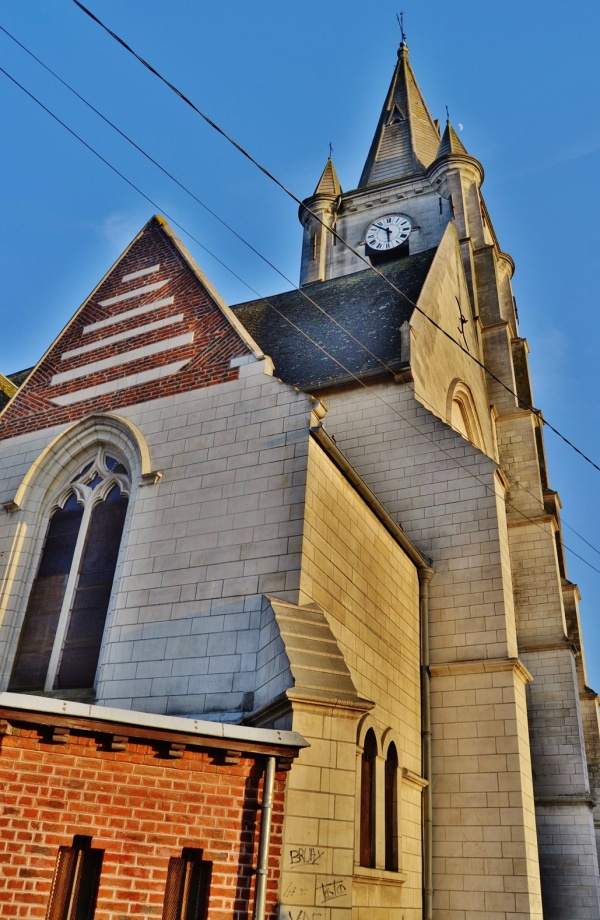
[367, 800]
[62, 631]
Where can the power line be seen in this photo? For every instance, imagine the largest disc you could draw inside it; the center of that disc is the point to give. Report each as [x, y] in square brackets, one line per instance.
[331, 230]
[123, 177]
[140, 149]
[232, 230]
[198, 201]
[346, 370]
[524, 488]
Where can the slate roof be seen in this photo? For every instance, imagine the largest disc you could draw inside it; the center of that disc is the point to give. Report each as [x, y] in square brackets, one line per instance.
[329, 184]
[19, 377]
[362, 302]
[406, 140]
[317, 665]
[451, 142]
[6, 390]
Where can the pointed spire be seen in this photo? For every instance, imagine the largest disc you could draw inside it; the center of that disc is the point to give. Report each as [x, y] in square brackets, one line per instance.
[450, 143]
[329, 184]
[406, 140]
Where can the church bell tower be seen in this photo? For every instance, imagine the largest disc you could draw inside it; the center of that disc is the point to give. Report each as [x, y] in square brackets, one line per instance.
[414, 182]
[417, 181]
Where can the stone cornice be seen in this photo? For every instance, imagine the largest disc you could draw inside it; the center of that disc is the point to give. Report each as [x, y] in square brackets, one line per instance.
[555, 646]
[481, 666]
[583, 798]
[414, 779]
[540, 519]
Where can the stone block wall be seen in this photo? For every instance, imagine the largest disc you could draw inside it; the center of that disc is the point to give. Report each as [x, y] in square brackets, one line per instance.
[450, 502]
[568, 860]
[485, 847]
[221, 527]
[369, 589]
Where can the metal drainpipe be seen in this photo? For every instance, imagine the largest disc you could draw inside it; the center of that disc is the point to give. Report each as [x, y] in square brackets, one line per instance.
[425, 576]
[262, 870]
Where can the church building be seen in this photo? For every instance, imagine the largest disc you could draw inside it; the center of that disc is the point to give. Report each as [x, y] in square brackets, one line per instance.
[321, 522]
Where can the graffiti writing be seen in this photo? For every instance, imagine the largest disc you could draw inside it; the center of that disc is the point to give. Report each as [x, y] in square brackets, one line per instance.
[332, 888]
[306, 856]
[298, 913]
[294, 889]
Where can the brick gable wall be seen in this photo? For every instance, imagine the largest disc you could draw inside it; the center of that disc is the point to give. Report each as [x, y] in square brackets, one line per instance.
[141, 808]
[184, 343]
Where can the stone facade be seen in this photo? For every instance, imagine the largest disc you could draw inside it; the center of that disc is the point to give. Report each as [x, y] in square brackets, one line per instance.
[371, 559]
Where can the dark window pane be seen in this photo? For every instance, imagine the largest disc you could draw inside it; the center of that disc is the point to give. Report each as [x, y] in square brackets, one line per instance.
[174, 889]
[87, 467]
[75, 884]
[188, 884]
[391, 810]
[114, 466]
[86, 885]
[45, 602]
[367, 801]
[113, 495]
[60, 543]
[88, 615]
[62, 884]
[71, 503]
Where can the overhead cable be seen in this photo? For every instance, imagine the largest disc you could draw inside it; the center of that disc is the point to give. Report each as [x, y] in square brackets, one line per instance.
[317, 345]
[332, 231]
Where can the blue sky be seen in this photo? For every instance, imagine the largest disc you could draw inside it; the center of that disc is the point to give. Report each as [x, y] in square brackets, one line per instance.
[285, 79]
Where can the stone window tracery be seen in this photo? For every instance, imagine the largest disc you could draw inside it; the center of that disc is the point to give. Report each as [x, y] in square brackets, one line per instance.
[64, 621]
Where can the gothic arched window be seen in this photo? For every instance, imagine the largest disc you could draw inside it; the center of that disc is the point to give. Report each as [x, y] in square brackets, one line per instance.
[391, 809]
[367, 800]
[462, 413]
[64, 622]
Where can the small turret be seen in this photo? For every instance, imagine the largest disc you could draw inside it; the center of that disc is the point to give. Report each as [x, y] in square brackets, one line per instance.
[316, 214]
[451, 143]
[329, 184]
[457, 176]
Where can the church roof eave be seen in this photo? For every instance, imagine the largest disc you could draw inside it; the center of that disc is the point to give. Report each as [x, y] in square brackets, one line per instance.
[458, 159]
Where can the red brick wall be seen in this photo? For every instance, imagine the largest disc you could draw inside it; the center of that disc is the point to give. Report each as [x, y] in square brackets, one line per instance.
[215, 341]
[141, 808]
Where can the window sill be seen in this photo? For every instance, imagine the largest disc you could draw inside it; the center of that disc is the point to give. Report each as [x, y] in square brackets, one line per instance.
[379, 876]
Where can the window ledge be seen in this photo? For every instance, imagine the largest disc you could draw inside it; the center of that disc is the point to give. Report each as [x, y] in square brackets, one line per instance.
[379, 876]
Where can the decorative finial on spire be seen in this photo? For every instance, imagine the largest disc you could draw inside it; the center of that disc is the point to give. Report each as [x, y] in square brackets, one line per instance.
[330, 149]
[447, 115]
[400, 18]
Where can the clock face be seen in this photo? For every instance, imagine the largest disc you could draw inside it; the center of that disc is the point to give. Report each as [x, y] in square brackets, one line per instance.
[388, 232]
